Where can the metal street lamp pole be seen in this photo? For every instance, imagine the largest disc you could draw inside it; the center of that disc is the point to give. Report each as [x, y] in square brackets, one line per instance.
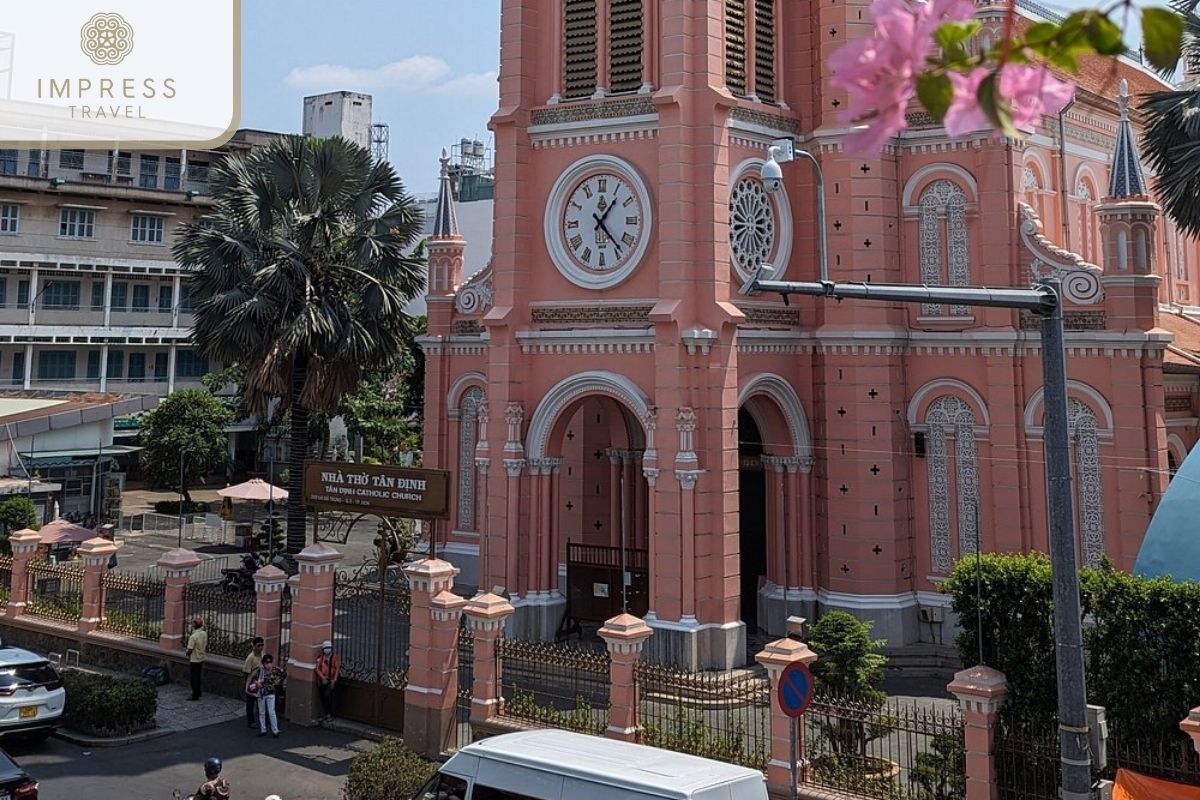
[179, 544]
[1045, 300]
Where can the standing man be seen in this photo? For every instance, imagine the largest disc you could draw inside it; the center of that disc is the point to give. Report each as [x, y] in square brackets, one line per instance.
[328, 666]
[197, 648]
[250, 668]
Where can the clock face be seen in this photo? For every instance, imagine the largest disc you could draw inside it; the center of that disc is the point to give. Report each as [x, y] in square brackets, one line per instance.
[602, 222]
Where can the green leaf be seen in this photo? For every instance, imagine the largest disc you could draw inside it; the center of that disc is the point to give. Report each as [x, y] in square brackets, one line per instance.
[1103, 35]
[1041, 33]
[935, 93]
[952, 33]
[995, 107]
[1163, 29]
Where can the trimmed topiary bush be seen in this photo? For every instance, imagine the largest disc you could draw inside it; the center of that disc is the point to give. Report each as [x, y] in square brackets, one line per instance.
[387, 772]
[106, 705]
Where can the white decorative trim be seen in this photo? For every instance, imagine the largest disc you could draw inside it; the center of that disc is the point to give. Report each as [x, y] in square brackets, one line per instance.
[783, 220]
[701, 339]
[1084, 169]
[556, 205]
[781, 392]
[688, 478]
[1080, 280]
[946, 386]
[1031, 154]
[1097, 403]
[571, 389]
[685, 425]
[1175, 442]
[591, 341]
[461, 384]
[475, 295]
[966, 178]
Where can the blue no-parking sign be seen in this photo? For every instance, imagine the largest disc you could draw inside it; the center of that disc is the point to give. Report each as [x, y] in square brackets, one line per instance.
[795, 690]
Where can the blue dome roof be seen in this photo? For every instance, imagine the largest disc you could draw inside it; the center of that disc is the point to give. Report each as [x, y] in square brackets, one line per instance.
[1172, 544]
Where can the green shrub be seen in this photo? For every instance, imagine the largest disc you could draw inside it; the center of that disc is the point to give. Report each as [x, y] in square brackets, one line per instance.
[106, 705]
[386, 773]
[687, 731]
[581, 719]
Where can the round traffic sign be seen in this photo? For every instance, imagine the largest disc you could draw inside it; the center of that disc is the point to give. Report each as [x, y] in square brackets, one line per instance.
[795, 690]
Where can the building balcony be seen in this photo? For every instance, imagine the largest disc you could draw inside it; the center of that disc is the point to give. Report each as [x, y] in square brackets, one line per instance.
[155, 387]
[54, 315]
[140, 318]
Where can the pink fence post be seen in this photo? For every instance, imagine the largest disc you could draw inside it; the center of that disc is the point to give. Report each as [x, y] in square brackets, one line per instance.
[312, 624]
[24, 545]
[95, 553]
[268, 610]
[432, 691]
[625, 635]
[776, 657]
[980, 690]
[485, 617]
[1191, 726]
[177, 567]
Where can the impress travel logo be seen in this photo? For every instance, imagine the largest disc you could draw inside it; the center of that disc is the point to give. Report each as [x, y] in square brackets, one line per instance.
[136, 77]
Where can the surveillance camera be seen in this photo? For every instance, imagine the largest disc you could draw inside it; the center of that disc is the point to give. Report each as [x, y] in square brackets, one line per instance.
[772, 176]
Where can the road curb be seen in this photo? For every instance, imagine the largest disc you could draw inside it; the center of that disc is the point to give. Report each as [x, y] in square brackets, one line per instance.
[84, 740]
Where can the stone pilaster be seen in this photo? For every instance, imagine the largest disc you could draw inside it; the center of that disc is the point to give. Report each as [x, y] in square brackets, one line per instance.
[312, 624]
[980, 690]
[177, 566]
[96, 554]
[268, 613]
[625, 635]
[776, 657]
[432, 690]
[486, 615]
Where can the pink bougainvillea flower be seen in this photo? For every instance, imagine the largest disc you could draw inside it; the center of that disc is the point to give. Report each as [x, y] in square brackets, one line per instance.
[879, 73]
[965, 115]
[1032, 91]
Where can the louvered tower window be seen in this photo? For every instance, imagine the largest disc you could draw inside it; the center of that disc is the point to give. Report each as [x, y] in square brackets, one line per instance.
[735, 46]
[764, 50]
[579, 60]
[625, 45]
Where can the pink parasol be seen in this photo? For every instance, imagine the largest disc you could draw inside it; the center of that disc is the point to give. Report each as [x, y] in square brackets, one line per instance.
[254, 489]
[61, 531]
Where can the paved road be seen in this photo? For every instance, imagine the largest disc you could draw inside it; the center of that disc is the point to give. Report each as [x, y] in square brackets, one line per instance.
[303, 764]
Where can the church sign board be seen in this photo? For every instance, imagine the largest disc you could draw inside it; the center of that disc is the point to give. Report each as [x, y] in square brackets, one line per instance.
[369, 489]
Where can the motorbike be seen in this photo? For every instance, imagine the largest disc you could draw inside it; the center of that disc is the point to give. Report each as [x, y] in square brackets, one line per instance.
[242, 579]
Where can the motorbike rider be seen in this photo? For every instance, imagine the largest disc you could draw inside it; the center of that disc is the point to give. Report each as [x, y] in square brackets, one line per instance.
[214, 787]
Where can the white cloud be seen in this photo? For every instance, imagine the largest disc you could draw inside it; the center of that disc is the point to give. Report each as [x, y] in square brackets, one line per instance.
[415, 75]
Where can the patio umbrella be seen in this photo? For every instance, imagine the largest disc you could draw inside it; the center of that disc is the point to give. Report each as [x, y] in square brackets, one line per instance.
[254, 489]
[61, 531]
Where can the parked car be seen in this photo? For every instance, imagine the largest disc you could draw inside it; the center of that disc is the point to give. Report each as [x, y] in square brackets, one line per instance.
[31, 694]
[16, 783]
[559, 765]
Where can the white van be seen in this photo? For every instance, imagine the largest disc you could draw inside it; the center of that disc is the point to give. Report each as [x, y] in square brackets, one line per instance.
[559, 765]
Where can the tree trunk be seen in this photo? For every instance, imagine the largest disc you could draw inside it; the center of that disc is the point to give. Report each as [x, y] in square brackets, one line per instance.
[297, 536]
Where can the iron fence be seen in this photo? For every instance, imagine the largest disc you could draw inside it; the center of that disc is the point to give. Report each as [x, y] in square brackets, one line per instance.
[1172, 759]
[133, 605]
[889, 749]
[5, 580]
[205, 528]
[1027, 766]
[55, 591]
[466, 683]
[228, 618]
[554, 685]
[285, 625]
[720, 715]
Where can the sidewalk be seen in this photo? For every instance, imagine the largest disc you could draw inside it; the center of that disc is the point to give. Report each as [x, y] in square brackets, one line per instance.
[176, 713]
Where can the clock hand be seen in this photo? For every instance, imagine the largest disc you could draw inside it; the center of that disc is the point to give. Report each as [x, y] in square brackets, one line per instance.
[611, 238]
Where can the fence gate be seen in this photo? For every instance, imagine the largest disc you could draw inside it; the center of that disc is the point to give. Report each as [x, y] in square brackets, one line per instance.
[371, 617]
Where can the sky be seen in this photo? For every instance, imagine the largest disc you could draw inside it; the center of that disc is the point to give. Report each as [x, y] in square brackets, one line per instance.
[431, 67]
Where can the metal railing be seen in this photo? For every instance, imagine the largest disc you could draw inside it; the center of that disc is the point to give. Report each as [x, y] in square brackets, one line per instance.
[720, 715]
[228, 617]
[1027, 764]
[555, 685]
[1171, 759]
[205, 528]
[55, 591]
[6, 563]
[133, 605]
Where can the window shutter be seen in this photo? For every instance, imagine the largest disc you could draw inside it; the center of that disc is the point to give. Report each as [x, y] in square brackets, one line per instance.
[764, 50]
[626, 54]
[735, 46]
[579, 59]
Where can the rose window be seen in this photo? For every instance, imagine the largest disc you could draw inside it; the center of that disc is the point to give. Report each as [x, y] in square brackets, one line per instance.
[751, 225]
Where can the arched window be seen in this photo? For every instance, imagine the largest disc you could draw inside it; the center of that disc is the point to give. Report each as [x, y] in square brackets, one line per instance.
[1122, 254]
[1172, 466]
[468, 437]
[1087, 238]
[1086, 443]
[624, 28]
[750, 49]
[1141, 250]
[953, 474]
[945, 252]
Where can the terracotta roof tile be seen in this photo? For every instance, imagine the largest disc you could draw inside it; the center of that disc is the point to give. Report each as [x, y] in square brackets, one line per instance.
[1185, 350]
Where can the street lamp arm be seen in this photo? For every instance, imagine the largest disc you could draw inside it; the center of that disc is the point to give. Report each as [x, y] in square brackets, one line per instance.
[822, 243]
[1040, 299]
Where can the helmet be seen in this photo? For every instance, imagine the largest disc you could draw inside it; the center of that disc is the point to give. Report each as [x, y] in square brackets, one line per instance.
[212, 768]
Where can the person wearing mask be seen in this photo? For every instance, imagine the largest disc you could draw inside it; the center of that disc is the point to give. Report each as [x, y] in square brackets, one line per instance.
[265, 685]
[249, 667]
[197, 649]
[327, 669]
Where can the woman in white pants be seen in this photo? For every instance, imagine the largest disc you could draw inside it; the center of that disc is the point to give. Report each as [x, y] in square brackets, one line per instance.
[264, 684]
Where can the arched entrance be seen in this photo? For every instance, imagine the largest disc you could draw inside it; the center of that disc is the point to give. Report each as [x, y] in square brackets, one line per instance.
[752, 515]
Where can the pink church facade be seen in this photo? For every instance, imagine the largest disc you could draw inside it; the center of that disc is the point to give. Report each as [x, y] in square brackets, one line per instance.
[603, 382]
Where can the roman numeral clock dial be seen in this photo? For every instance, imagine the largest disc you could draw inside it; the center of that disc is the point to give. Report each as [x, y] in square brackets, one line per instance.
[597, 222]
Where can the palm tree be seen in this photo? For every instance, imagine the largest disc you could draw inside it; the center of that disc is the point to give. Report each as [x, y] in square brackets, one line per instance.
[301, 272]
[1172, 136]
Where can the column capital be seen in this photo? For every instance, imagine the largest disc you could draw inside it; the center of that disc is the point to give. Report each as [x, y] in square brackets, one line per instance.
[318, 558]
[97, 552]
[625, 634]
[514, 467]
[446, 606]
[270, 580]
[430, 575]
[651, 474]
[979, 688]
[178, 563]
[688, 478]
[25, 542]
[482, 464]
[773, 463]
[487, 612]
[777, 655]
